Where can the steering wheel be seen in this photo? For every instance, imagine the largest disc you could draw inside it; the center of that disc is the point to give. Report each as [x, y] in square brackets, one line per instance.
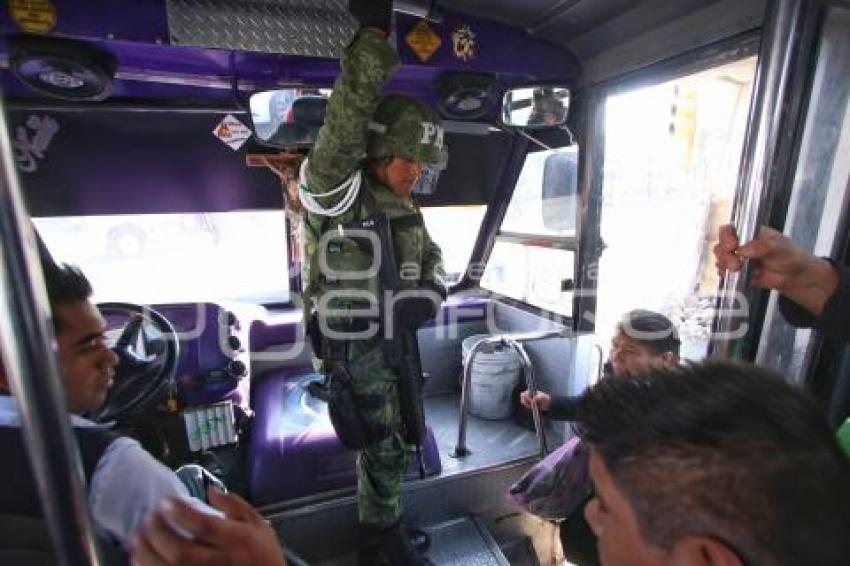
[147, 350]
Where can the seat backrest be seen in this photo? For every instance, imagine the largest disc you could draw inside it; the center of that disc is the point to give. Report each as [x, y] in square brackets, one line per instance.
[24, 541]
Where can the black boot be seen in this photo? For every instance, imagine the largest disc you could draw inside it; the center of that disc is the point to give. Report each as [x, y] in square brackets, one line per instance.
[391, 547]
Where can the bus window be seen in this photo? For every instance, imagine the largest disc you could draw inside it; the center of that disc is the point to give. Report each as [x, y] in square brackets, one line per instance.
[164, 258]
[454, 229]
[671, 160]
[532, 260]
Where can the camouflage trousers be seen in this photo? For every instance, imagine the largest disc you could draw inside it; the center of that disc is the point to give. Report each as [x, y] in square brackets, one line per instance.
[382, 464]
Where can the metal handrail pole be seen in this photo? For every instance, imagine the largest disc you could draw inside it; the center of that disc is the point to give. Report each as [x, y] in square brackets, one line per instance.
[783, 22]
[528, 374]
[461, 449]
[601, 365]
[30, 366]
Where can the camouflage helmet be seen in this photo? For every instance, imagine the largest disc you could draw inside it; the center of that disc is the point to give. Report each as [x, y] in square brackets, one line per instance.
[403, 127]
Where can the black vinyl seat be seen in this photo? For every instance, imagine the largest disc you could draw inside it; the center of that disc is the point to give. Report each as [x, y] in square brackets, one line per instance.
[24, 542]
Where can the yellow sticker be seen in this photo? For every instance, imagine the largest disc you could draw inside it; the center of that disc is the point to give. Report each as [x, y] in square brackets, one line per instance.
[34, 16]
[423, 41]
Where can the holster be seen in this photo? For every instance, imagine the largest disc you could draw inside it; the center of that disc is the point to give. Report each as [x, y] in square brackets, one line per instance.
[344, 405]
[343, 409]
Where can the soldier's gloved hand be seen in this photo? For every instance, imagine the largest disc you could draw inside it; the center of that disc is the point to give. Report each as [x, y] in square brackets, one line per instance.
[413, 310]
[372, 13]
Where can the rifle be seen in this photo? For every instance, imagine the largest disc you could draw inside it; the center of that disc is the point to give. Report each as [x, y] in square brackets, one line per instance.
[401, 350]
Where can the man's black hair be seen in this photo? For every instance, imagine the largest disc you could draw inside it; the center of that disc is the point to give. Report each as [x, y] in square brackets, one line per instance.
[727, 451]
[65, 284]
[653, 330]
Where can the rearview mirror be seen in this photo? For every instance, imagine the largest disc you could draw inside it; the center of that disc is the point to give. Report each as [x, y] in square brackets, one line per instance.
[560, 188]
[536, 106]
[289, 117]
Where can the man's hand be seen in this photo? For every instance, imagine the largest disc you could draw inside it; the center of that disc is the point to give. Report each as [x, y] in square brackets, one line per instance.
[724, 252]
[778, 263]
[542, 400]
[375, 14]
[242, 538]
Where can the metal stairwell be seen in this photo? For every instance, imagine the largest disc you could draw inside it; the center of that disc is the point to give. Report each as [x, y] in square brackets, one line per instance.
[464, 542]
[456, 511]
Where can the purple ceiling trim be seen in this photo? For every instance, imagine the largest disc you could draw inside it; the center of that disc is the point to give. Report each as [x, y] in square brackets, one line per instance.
[492, 48]
[137, 25]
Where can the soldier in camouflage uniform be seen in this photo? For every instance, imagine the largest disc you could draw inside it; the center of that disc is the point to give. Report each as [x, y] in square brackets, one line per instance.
[385, 141]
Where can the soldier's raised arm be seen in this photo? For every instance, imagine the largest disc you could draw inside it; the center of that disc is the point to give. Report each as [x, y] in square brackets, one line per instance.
[367, 63]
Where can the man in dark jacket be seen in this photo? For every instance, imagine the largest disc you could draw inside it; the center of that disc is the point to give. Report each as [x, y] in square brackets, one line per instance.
[644, 339]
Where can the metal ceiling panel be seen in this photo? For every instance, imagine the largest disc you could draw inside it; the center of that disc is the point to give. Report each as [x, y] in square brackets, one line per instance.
[612, 37]
[314, 28]
[524, 13]
[575, 18]
[626, 24]
[716, 22]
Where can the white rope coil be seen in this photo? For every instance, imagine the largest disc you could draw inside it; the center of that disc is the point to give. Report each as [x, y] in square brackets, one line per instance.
[351, 187]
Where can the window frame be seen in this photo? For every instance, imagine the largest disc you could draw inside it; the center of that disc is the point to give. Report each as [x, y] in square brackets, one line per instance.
[293, 273]
[565, 243]
[592, 158]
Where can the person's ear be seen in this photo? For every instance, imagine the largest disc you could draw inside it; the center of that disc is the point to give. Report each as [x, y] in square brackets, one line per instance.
[379, 169]
[703, 551]
[669, 358]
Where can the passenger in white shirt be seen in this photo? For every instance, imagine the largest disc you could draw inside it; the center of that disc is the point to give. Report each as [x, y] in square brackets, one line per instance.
[124, 481]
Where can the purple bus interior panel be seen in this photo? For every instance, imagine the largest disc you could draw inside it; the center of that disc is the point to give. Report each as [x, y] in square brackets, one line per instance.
[294, 450]
[283, 329]
[471, 44]
[160, 162]
[150, 67]
[199, 327]
[134, 163]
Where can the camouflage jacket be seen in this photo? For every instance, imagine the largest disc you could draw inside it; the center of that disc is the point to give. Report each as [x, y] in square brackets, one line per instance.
[340, 149]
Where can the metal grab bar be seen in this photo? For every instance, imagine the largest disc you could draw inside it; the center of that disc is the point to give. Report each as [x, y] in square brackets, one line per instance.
[515, 342]
[31, 368]
[528, 374]
[601, 364]
[781, 44]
